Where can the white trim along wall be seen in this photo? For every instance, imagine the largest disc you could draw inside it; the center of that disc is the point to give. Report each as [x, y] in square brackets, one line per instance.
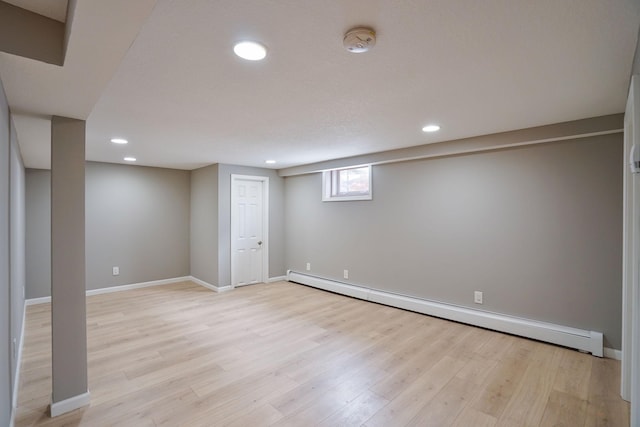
[586, 341]
[44, 300]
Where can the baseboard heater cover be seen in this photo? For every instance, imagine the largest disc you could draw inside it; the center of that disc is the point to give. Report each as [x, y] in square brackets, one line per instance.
[579, 339]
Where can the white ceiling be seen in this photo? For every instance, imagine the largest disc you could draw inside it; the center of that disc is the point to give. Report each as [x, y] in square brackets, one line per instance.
[184, 100]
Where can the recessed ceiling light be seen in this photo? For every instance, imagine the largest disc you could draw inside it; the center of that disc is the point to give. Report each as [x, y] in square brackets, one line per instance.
[270, 162]
[119, 141]
[431, 128]
[250, 51]
[129, 159]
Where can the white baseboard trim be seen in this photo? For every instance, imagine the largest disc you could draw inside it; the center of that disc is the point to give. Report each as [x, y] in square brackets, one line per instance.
[36, 301]
[137, 285]
[70, 404]
[90, 292]
[16, 379]
[276, 279]
[588, 341]
[210, 286]
[612, 353]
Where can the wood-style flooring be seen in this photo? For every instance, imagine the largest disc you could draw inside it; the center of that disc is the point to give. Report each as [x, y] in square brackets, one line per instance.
[283, 354]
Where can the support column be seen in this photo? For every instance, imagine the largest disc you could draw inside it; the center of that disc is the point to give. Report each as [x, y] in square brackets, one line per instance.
[68, 297]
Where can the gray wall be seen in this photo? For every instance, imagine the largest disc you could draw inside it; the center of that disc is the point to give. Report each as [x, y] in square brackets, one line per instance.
[538, 229]
[138, 220]
[5, 278]
[17, 243]
[276, 220]
[12, 257]
[211, 222]
[204, 224]
[636, 59]
[153, 223]
[38, 249]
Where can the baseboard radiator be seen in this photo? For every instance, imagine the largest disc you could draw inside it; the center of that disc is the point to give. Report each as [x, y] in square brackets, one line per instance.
[583, 340]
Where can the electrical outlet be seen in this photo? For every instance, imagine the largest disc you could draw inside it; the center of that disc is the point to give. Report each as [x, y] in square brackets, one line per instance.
[116, 271]
[346, 274]
[477, 297]
[308, 266]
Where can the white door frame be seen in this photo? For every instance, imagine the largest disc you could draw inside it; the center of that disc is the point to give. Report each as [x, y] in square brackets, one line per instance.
[265, 223]
[630, 367]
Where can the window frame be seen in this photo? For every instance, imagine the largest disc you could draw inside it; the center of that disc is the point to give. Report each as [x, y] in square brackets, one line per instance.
[330, 181]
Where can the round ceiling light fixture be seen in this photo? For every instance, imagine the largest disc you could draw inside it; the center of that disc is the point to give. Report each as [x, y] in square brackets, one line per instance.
[251, 51]
[431, 128]
[359, 39]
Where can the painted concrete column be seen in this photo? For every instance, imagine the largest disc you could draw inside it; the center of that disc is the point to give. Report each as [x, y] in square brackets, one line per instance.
[68, 297]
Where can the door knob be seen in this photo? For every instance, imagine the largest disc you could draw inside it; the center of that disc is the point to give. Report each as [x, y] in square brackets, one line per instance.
[260, 243]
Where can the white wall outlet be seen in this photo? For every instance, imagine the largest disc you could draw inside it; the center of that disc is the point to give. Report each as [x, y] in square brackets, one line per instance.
[308, 266]
[477, 297]
[116, 271]
[346, 274]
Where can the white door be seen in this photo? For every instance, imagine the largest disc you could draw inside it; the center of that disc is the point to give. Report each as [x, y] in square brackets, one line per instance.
[249, 207]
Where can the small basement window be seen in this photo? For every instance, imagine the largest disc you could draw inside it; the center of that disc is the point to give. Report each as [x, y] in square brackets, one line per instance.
[347, 184]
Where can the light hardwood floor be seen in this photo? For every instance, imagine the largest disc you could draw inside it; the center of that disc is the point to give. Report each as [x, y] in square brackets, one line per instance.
[287, 355]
